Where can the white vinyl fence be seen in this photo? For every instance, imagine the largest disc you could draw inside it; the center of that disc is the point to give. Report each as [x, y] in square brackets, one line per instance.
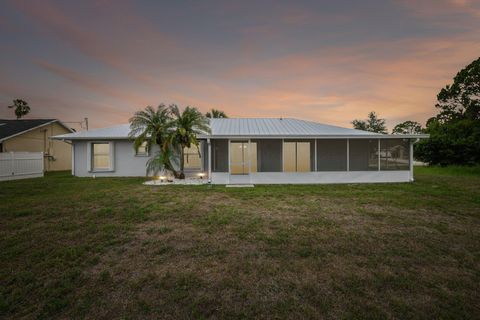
[21, 165]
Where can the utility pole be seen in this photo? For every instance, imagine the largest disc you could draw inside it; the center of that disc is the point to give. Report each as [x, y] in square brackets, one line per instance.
[86, 123]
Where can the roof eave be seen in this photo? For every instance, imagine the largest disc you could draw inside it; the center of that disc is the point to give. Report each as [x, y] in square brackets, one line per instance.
[326, 136]
[34, 128]
[89, 138]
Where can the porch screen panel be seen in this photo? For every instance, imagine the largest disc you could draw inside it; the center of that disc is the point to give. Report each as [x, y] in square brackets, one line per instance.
[205, 154]
[220, 155]
[289, 157]
[269, 155]
[332, 155]
[237, 157]
[253, 156]
[394, 154]
[303, 157]
[191, 157]
[363, 154]
[298, 156]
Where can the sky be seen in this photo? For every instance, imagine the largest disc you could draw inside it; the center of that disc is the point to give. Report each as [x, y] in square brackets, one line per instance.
[325, 61]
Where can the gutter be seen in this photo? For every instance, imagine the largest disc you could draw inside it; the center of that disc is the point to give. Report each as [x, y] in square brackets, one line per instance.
[373, 136]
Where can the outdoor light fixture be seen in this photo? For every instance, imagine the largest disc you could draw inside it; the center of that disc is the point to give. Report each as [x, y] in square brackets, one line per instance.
[201, 175]
[162, 178]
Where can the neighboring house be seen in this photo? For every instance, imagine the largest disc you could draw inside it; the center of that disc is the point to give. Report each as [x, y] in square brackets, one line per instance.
[34, 136]
[240, 151]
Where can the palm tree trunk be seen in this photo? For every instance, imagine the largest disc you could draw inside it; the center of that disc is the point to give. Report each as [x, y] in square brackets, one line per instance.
[182, 163]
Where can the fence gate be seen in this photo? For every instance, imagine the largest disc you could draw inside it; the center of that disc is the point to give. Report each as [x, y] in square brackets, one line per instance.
[21, 165]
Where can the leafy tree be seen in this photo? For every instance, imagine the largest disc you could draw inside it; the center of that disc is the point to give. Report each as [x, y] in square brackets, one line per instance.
[461, 100]
[372, 124]
[21, 107]
[455, 130]
[154, 127]
[214, 113]
[453, 143]
[407, 127]
[188, 124]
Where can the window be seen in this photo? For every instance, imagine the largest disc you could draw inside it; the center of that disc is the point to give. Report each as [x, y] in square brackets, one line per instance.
[394, 154]
[363, 154]
[142, 150]
[296, 156]
[332, 155]
[101, 156]
[191, 158]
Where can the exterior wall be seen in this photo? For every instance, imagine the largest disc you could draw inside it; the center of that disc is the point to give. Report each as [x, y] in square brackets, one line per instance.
[312, 177]
[125, 162]
[58, 154]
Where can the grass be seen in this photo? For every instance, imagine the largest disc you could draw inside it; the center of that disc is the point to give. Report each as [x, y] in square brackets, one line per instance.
[113, 248]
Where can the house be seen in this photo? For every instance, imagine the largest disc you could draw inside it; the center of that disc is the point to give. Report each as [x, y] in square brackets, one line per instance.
[33, 135]
[259, 151]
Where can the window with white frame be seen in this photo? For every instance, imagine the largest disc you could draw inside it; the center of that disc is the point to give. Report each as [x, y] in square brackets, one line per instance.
[101, 156]
[142, 150]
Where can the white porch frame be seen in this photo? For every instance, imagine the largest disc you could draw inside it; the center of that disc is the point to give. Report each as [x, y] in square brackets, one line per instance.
[314, 176]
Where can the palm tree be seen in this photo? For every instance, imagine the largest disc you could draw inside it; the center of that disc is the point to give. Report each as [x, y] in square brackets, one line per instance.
[214, 113]
[21, 107]
[154, 127]
[188, 124]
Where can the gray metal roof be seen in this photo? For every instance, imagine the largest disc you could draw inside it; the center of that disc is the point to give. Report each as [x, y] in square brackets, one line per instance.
[247, 127]
[116, 132]
[277, 127]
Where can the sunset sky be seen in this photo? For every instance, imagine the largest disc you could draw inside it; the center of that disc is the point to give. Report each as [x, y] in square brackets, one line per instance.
[327, 61]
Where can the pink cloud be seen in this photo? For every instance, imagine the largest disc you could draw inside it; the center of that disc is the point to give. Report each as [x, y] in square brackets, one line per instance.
[93, 84]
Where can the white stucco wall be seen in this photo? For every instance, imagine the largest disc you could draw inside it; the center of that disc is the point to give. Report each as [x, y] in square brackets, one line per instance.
[126, 164]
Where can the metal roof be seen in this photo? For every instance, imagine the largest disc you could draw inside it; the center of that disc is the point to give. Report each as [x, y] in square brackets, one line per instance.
[246, 128]
[277, 127]
[12, 128]
[116, 132]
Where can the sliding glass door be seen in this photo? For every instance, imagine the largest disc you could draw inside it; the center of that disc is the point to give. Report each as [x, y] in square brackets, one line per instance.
[243, 159]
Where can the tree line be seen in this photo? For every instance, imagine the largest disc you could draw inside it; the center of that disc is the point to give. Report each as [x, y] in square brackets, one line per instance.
[454, 131]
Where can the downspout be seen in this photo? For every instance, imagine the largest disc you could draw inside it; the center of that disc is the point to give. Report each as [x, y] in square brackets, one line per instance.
[46, 162]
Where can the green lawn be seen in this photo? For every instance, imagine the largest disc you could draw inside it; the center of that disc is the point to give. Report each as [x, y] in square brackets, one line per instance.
[113, 248]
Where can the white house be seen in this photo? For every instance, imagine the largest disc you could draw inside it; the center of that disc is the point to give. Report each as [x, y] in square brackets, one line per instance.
[259, 151]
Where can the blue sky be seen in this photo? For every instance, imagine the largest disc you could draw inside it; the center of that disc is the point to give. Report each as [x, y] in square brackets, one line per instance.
[328, 61]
